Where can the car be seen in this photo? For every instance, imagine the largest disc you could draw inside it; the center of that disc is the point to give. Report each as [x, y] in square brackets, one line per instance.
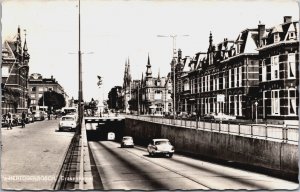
[111, 136]
[127, 141]
[67, 122]
[160, 146]
[38, 116]
[219, 117]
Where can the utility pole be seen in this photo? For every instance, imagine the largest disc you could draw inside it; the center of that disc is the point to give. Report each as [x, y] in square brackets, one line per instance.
[80, 74]
[174, 80]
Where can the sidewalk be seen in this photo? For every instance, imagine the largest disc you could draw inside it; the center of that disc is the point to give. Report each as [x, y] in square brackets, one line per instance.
[32, 156]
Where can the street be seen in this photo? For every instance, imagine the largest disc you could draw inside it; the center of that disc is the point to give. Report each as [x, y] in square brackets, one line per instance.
[132, 168]
[32, 156]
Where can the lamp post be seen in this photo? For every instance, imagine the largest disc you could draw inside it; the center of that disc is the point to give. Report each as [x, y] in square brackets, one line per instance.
[174, 56]
[256, 103]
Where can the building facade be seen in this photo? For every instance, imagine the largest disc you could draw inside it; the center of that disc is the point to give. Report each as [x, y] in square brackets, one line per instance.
[279, 71]
[150, 95]
[254, 76]
[14, 66]
[37, 86]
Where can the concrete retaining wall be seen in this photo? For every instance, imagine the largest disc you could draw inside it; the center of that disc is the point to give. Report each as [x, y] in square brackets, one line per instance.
[277, 156]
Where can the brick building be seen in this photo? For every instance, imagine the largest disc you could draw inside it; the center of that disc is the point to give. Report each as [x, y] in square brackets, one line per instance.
[37, 85]
[150, 95]
[252, 76]
[279, 72]
[14, 66]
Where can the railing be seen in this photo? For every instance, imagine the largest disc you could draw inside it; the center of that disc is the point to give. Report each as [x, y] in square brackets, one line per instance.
[285, 133]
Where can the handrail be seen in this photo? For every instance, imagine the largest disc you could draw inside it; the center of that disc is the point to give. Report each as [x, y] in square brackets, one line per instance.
[285, 133]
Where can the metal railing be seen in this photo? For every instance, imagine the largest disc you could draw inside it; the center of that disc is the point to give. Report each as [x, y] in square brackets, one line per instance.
[285, 133]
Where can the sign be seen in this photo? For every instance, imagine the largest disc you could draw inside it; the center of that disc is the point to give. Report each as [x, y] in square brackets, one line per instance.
[221, 98]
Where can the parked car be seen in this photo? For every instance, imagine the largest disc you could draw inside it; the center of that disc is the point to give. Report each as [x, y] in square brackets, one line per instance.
[38, 116]
[111, 136]
[127, 141]
[160, 146]
[218, 117]
[30, 118]
[67, 122]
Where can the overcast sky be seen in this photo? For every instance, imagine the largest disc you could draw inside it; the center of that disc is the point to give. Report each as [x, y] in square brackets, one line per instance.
[112, 31]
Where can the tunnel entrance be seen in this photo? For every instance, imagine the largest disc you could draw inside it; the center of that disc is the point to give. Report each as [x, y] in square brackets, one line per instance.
[99, 129]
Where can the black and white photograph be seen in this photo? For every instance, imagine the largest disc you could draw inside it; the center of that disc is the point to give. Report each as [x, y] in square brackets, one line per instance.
[149, 95]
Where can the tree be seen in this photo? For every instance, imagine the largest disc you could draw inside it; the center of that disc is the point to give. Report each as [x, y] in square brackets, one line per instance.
[52, 99]
[115, 98]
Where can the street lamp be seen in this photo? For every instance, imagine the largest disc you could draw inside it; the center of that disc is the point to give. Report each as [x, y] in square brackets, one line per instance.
[174, 55]
[256, 103]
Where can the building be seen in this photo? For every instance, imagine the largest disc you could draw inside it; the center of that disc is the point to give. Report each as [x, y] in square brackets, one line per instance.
[37, 86]
[14, 66]
[253, 77]
[150, 95]
[279, 71]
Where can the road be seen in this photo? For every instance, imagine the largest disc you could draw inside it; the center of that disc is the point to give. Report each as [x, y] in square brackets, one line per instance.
[132, 168]
[32, 156]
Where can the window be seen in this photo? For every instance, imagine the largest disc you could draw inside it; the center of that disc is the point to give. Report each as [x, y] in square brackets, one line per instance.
[235, 77]
[208, 83]
[275, 67]
[292, 102]
[263, 71]
[229, 78]
[229, 103]
[5, 71]
[217, 80]
[240, 76]
[276, 37]
[235, 105]
[41, 89]
[33, 89]
[291, 35]
[214, 83]
[291, 65]
[240, 105]
[33, 102]
[32, 95]
[40, 95]
[224, 81]
[275, 102]
[264, 103]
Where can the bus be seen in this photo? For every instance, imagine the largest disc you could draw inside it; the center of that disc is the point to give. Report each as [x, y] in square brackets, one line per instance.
[68, 110]
[39, 112]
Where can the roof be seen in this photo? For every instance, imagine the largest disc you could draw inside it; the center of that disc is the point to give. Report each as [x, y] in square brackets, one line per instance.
[160, 139]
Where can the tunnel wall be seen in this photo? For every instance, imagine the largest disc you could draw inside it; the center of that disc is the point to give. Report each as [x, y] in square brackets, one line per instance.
[277, 156]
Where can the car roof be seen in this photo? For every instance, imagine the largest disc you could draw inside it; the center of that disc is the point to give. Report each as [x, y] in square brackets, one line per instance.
[160, 139]
[127, 137]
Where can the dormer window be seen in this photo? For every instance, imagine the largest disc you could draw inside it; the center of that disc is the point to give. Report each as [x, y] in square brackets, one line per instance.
[291, 35]
[276, 37]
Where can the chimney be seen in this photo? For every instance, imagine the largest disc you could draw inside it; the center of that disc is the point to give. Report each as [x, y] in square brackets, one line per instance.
[287, 19]
[51, 76]
[261, 30]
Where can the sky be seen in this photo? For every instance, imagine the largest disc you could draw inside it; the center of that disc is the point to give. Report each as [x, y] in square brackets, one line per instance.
[113, 31]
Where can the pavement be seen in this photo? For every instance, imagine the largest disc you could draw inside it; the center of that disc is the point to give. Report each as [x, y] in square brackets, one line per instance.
[32, 156]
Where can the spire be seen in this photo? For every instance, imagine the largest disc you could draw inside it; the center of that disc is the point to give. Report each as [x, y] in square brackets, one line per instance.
[26, 56]
[210, 39]
[142, 80]
[148, 71]
[19, 44]
[125, 75]
[128, 72]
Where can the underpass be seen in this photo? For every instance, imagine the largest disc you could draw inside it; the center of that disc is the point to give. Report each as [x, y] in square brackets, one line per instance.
[124, 168]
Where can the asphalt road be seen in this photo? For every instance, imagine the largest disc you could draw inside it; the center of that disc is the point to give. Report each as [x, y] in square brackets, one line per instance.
[32, 156]
[133, 168]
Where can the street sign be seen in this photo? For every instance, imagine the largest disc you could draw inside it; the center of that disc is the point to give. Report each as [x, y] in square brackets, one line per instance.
[221, 98]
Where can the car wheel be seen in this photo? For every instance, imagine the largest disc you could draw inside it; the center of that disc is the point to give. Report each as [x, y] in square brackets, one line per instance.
[170, 155]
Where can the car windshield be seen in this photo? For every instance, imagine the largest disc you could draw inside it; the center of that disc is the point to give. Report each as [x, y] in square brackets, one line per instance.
[68, 119]
[127, 138]
[161, 142]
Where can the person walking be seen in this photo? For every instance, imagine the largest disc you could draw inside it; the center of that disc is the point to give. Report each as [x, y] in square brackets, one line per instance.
[23, 119]
[9, 116]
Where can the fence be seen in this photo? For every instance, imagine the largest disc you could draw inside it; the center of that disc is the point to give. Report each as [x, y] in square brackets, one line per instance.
[283, 133]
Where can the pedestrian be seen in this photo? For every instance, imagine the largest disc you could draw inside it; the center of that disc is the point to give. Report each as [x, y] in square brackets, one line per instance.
[9, 116]
[23, 119]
